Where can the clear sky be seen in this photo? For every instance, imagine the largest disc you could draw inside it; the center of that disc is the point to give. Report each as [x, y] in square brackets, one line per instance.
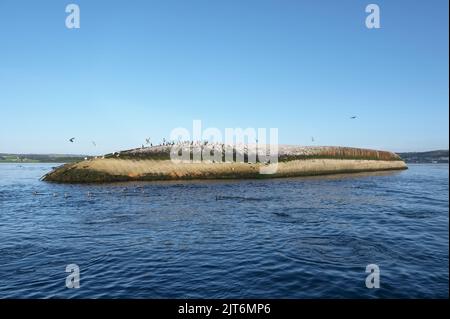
[138, 69]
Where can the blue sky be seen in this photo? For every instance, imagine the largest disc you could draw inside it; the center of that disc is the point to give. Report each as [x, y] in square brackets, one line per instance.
[138, 69]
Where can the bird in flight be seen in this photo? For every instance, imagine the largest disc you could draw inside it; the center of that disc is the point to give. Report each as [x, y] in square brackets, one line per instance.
[93, 143]
[353, 117]
[72, 139]
[147, 140]
[312, 138]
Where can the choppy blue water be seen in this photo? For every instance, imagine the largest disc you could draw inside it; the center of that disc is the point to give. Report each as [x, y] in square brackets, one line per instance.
[283, 238]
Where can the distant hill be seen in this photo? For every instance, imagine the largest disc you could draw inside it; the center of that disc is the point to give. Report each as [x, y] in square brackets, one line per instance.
[40, 158]
[439, 156]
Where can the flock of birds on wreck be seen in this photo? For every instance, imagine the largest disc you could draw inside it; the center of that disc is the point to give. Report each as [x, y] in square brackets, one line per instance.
[213, 145]
[182, 143]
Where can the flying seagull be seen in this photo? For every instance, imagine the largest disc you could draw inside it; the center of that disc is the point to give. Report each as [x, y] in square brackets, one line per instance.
[93, 143]
[312, 138]
[72, 139]
[353, 117]
[147, 140]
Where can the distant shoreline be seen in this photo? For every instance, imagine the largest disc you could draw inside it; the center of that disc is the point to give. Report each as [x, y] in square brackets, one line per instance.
[428, 157]
[40, 158]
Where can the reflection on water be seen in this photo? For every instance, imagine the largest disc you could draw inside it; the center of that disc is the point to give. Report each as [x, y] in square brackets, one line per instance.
[309, 237]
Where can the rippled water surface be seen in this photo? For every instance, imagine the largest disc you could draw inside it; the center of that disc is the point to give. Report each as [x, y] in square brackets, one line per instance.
[281, 238]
